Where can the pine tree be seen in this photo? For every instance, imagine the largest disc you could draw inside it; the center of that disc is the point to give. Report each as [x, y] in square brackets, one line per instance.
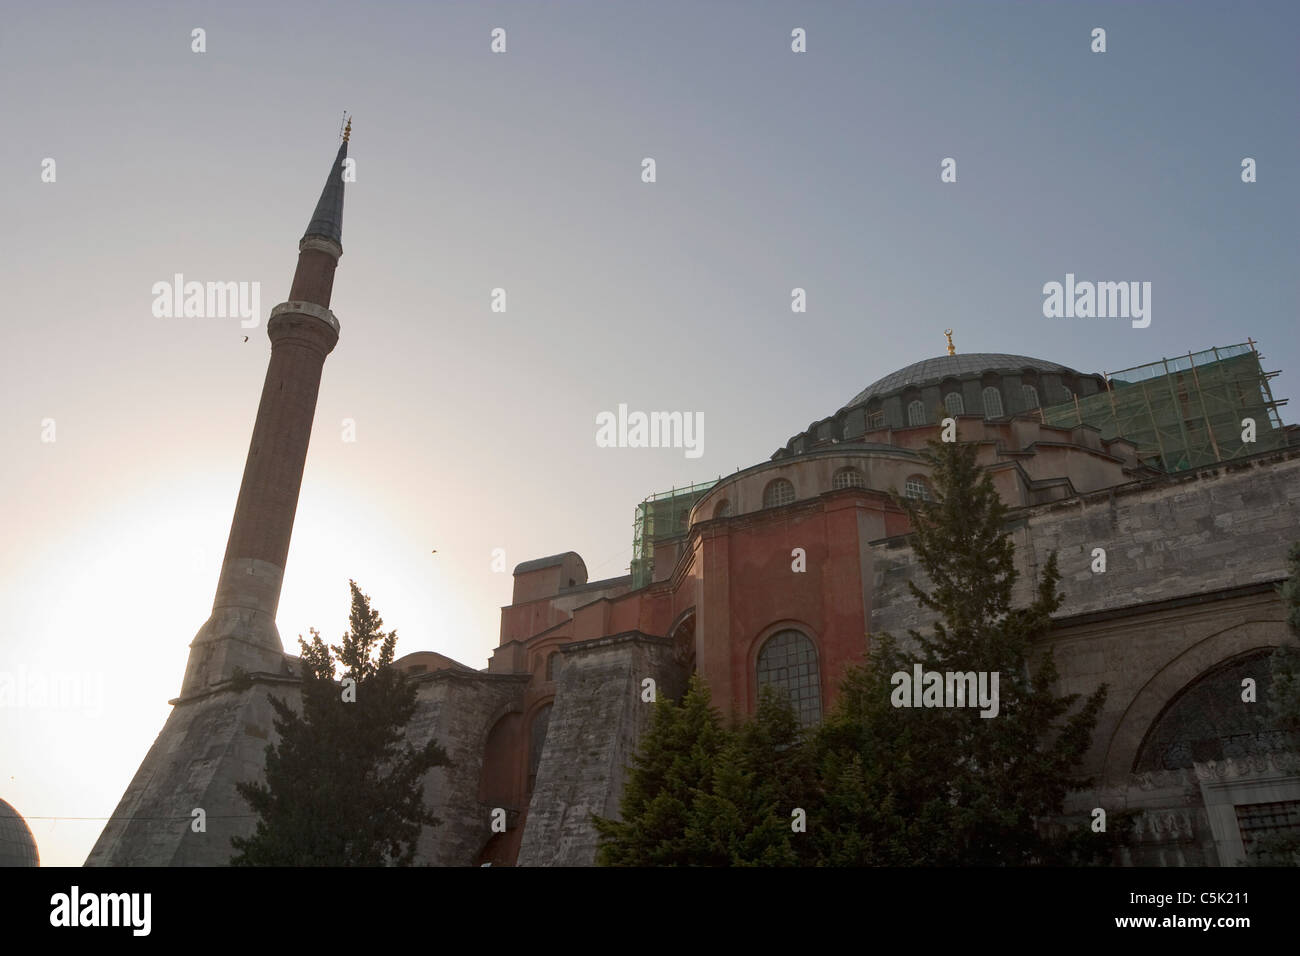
[945, 786]
[674, 764]
[763, 773]
[343, 787]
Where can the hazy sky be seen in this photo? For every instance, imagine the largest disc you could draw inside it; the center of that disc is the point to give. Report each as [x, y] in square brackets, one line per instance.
[475, 430]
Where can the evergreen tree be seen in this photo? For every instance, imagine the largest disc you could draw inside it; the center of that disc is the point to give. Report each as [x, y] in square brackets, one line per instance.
[343, 787]
[701, 794]
[763, 773]
[945, 786]
[674, 764]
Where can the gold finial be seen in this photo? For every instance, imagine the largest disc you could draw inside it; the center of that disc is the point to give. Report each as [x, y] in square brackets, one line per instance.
[347, 130]
[951, 350]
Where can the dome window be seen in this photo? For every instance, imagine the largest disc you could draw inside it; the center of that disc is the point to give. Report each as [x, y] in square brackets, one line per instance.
[777, 493]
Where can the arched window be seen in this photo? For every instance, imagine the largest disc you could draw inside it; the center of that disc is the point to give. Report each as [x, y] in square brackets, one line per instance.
[848, 478]
[1031, 396]
[992, 403]
[916, 487]
[788, 662]
[915, 413]
[875, 420]
[777, 493]
[550, 665]
[722, 509]
[1208, 720]
[1069, 395]
[536, 740]
[953, 402]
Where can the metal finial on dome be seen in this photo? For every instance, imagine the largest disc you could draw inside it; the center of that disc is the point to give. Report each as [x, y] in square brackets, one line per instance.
[951, 350]
[347, 130]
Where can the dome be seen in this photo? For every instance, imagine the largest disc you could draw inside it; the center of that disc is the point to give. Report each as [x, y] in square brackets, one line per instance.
[17, 845]
[933, 369]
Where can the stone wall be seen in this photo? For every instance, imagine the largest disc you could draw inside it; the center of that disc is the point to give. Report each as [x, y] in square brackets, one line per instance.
[458, 708]
[1212, 528]
[597, 720]
[208, 743]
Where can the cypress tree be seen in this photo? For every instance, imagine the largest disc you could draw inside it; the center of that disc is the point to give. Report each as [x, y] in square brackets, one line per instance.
[343, 787]
[943, 785]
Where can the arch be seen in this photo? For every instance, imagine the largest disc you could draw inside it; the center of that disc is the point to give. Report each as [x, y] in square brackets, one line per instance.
[848, 477]
[954, 403]
[788, 661]
[550, 665]
[992, 402]
[1182, 670]
[1207, 720]
[778, 492]
[537, 729]
[1031, 396]
[722, 509]
[915, 413]
[498, 779]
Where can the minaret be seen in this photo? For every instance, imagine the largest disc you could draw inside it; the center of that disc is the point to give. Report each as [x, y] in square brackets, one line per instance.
[241, 633]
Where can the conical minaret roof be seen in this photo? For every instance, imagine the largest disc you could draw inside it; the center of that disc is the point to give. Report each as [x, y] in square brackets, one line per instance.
[327, 220]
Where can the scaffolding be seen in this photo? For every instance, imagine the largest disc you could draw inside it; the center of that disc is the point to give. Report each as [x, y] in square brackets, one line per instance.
[1186, 411]
[659, 518]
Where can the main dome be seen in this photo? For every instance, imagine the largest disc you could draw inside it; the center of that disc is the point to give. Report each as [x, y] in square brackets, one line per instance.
[934, 369]
[17, 845]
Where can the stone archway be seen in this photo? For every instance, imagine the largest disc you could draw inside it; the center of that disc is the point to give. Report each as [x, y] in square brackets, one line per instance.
[1170, 680]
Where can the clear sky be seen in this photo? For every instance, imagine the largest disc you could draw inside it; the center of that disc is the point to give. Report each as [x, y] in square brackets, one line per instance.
[523, 171]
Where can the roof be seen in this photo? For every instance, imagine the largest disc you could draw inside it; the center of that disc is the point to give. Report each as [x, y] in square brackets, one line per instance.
[327, 220]
[549, 561]
[942, 366]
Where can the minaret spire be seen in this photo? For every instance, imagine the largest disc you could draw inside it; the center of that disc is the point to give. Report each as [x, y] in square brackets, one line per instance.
[327, 220]
[240, 635]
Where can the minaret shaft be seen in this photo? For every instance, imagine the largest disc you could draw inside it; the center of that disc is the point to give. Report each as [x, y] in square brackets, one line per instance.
[241, 635]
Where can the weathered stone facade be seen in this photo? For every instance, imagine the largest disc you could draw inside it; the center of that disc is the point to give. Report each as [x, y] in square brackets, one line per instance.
[805, 553]
[600, 714]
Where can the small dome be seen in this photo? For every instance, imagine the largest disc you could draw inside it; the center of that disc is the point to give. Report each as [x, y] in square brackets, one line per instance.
[17, 845]
[932, 370]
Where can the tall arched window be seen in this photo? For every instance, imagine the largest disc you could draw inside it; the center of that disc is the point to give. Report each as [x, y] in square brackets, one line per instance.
[915, 413]
[848, 478]
[953, 402]
[536, 740]
[876, 420]
[992, 403]
[1031, 396]
[550, 665]
[788, 662]
[722, 509]
[916, 487]
[777, 493]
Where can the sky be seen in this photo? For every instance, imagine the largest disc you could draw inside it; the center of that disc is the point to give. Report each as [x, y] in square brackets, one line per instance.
[123, 434]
